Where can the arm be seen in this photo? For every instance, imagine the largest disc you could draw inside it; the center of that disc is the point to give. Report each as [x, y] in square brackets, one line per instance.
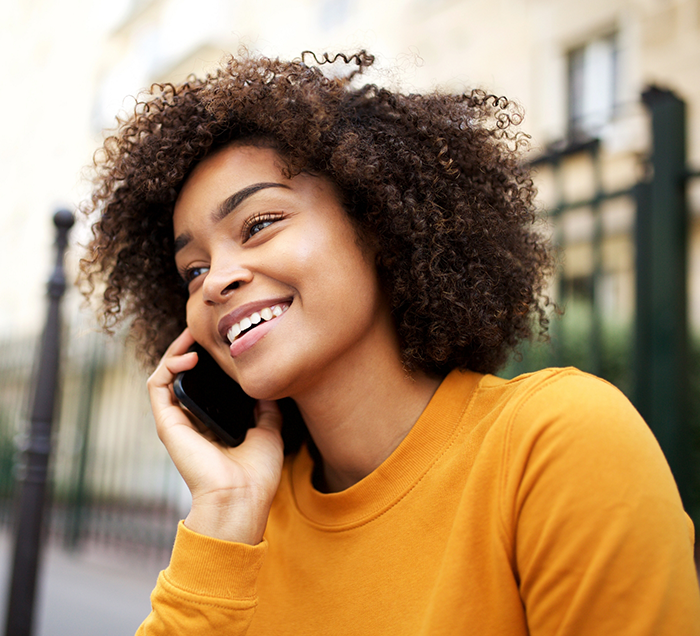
[209, 586]
[602, 544]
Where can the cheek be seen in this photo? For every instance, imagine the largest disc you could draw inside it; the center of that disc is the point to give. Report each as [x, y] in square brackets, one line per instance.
[195, 322]
[353, 285]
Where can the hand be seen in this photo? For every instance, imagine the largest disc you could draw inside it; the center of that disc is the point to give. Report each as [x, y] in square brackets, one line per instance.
[232, 488]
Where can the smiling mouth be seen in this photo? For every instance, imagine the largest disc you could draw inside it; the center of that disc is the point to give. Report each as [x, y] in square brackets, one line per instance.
[255, 319]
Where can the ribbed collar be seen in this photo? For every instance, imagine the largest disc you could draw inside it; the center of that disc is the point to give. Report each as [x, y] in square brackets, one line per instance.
[386, 485]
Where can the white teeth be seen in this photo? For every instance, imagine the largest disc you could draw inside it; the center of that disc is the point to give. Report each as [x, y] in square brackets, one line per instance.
[268, 313]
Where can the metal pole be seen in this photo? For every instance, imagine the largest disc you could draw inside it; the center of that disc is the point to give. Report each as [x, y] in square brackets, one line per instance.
[33, 477]
[661, 318]
[596, 332]
[77, 509]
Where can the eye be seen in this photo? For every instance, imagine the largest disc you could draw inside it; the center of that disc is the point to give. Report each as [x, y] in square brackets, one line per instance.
[258, 223]
[188, 274]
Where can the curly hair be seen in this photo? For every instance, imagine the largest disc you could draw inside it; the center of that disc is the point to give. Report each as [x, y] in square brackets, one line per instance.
[437, 180]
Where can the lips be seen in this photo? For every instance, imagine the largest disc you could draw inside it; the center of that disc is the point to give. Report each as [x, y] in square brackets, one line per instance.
[251, 315]
[252, 321]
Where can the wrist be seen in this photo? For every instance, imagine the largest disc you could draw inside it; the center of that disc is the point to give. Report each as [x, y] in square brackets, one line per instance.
[228, 522]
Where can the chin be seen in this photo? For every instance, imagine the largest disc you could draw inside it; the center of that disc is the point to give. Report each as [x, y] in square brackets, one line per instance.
[264, 388]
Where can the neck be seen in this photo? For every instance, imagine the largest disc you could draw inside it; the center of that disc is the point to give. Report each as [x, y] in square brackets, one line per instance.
[357, 422]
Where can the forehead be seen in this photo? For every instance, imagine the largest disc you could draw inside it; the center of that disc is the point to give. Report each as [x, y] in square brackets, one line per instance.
[231, 165]
[237, 174]
[223, 173]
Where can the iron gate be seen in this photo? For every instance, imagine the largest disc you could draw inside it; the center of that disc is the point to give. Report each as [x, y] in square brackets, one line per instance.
[649, 354]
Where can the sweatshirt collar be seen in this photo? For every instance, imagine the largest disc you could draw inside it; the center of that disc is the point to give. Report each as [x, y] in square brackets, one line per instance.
[398, 474]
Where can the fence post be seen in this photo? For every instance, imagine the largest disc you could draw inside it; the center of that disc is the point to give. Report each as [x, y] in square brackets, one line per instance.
[77, 508]
[661, 367]
[33, 478]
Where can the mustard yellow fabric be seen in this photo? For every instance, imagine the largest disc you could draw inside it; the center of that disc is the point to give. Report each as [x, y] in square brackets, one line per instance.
[540, 505]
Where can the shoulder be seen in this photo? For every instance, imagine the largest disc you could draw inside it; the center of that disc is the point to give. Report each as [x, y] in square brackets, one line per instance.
[565, 402]
[555, 407]
[572, 437]
[574, 431]
[587, 501]
[562, 384]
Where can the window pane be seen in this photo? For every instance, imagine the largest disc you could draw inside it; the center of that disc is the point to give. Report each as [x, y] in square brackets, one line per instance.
[592, 86]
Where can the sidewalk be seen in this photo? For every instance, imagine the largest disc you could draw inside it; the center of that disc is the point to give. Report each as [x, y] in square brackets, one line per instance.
[84, 594]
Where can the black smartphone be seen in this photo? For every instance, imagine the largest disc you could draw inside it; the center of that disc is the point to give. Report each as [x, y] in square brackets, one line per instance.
[215, 399]
[220, 403]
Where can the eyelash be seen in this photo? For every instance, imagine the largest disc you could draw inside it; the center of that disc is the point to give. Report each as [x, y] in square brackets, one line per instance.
[258, 219]
[186, 273]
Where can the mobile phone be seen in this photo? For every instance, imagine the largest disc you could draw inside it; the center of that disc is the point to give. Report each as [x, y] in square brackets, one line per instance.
[220, 403]
[216, 399]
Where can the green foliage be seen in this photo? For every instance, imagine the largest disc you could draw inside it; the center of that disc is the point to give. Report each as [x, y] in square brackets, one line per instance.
[573, 343]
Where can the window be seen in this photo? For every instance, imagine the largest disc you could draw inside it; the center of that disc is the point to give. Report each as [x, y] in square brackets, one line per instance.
[593, 82]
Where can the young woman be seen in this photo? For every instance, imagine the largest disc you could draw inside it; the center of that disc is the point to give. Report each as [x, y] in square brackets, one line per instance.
[373, 256]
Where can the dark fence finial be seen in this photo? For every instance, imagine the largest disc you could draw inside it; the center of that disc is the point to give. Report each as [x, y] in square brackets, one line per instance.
[33, 476]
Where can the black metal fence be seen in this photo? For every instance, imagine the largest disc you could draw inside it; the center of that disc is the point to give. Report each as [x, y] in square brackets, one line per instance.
[623, 282]
[113, 485]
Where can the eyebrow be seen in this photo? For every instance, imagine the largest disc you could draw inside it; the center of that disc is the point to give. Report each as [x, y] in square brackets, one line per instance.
[228, 206]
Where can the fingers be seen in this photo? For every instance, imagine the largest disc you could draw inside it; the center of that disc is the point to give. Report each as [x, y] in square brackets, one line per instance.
[180, 345]
[166, 407]
[177, 358]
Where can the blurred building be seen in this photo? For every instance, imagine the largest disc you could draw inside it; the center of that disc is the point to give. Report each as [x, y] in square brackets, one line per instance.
[578, 69]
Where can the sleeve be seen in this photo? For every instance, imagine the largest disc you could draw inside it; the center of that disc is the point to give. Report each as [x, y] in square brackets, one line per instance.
[208, 589]
[602, 543]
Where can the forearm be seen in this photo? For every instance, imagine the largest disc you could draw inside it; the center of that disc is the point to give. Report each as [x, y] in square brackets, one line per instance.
[208, 589]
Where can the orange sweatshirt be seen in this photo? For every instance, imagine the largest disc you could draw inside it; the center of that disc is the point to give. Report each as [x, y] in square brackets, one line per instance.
[540, 505]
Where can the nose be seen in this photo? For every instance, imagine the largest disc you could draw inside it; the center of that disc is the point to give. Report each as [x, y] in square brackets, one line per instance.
[222, 280]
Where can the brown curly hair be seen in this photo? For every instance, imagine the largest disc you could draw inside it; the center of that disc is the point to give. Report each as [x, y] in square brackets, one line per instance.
[437, 181]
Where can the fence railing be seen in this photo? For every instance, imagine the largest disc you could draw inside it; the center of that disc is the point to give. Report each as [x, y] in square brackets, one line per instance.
[629, 243]
[113, 484]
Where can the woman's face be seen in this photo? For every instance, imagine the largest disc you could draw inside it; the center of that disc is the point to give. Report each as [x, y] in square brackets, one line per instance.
[277, 260]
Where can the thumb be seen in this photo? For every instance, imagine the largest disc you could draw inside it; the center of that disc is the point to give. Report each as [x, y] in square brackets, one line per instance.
[268, 415]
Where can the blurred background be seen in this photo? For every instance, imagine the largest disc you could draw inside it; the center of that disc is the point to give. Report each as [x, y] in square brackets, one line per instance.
[611, 94]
